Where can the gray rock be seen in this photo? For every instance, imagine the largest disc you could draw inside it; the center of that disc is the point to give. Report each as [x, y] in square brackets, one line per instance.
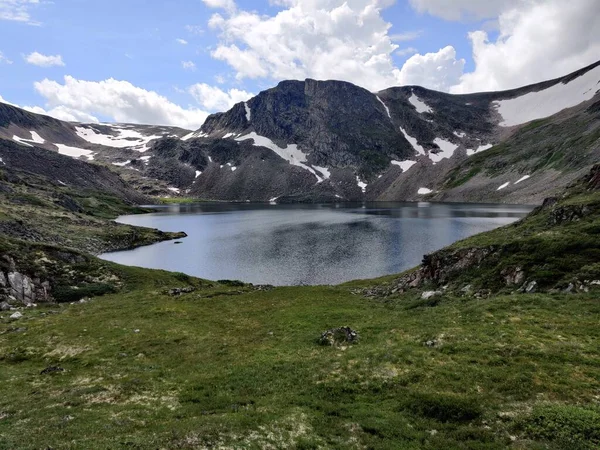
[4, 306]
[339, 336]
[22, 287]
[430, 294]
[16, 315]
[569, 288]
[2, 279]
[531, 287]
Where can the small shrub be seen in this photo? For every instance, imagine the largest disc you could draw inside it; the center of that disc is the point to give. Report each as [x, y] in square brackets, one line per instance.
[180, 276]
[570, 427]
[235, 283]
[65, 294]
[443, 407]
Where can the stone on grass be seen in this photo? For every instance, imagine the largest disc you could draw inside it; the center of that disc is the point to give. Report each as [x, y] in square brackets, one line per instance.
[430, 294]
[51, 369]
[16, 315]
[531, 287]
[339, 336]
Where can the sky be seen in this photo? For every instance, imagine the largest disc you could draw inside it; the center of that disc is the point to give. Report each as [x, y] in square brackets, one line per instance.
[173, 63]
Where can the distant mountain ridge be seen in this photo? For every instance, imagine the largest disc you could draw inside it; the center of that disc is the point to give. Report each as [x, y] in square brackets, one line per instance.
[331, 140]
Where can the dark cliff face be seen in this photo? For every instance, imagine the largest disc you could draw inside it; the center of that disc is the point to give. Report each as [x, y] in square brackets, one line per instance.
[337, 124]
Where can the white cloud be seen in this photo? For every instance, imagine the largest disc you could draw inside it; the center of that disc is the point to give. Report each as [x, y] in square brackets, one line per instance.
[406, 51]
[188, 65]
[438, 71]
[64, 113]
[119, 100]
[229, 5]
[323, 39]
[2, 100]
[215, 99]
[4, 59]
[18, 10]
[539, 40]
[408, 36]
[464, 9]
[38, 59]
[181, 41]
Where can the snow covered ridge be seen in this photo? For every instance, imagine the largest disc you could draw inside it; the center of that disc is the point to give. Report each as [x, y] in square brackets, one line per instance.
[547, 102]
[126, 136]
[291, 153]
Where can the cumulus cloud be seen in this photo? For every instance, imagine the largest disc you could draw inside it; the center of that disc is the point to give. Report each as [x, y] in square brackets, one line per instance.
[537, 41]
[4, 59]
[464, 9]
[439, 71]
[229, 5]
[64, 113]
[18, 10]
[119, 100]
[323, 39]
[215, 99]
[38, 59]
[2, 100]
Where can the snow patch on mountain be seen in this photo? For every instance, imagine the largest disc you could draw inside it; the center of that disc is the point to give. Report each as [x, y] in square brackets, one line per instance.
[35, 139]
[424, 191]
[447, 150]
[420, 150]
[122, 164]
[21, 141]
[194, 134]
[291, 153]
[126, 137]
[248, 112]
[387, 110]
[505, 185]
[74, 152]
[361, 184]
[419, 104]
[404, 165]
[523, 179]
[545, 103]
[481, 148]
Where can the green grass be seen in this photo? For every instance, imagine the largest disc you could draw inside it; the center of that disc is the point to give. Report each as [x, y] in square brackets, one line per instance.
[227, 365]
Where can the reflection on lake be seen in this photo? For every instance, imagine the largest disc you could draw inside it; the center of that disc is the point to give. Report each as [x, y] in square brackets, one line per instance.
[307, 244]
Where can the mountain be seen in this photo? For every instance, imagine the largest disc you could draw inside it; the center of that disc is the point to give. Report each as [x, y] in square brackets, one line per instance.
[113, 145]
[331, 141]
[404, 143]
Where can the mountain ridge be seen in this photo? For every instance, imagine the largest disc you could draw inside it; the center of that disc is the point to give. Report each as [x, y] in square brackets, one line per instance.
[330, 140]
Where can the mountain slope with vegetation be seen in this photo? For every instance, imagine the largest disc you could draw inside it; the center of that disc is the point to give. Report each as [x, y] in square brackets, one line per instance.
[449, 355]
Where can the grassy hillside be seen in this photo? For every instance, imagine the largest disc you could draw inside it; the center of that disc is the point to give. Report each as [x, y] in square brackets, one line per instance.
[236, 367]
[163, 360]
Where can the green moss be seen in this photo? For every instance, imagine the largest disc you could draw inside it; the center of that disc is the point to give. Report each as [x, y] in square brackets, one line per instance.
[566, 426]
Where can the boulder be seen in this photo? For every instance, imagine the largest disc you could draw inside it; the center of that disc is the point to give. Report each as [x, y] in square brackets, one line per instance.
[339, 336]
[430, 294]
[531, 287]
[16, 315]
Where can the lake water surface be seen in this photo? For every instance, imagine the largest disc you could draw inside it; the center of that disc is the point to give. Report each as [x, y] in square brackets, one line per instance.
[307, 244]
